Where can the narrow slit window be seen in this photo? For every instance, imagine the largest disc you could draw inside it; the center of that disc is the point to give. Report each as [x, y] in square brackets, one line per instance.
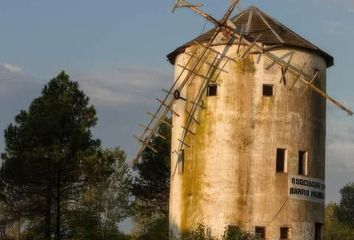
[267, 90]
[281, 160]
[212, 90]
[180, 162]
[302, 163]
[284, 233]
[260, 233]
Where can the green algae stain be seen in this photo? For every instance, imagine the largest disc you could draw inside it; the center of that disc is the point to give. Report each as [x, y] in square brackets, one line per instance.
[245, 65]
[192, 176]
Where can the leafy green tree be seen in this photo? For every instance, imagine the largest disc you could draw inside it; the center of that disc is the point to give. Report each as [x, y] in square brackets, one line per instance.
[334, 229]
[47, 156]
[115, 199]
[105, 204]
[157, 228]
[151, 188]
[152, 184]
[345, 210]
[339, 218]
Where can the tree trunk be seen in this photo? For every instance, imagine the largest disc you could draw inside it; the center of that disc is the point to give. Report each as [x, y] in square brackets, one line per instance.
[48, 213]
[58, 235]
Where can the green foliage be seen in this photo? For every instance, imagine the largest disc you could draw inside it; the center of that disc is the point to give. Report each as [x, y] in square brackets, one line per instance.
[151, 185]
[102, 206]
[155, 229]
[54, 173]
[345, 210]
[151, 188]
[202, 232]
[339, 219]
[237, 234]
[113, 198]
[45, 159]
[245, 65]
[334, 229]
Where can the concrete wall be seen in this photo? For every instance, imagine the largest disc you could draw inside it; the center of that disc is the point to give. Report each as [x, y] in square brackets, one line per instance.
[229, 173]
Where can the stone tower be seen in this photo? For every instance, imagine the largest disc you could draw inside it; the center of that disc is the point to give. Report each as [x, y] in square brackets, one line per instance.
[256, 157]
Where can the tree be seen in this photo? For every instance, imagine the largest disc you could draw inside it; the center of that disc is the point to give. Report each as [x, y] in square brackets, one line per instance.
[104, 205]
[339, 218]
[334, 229]
[115, 199]
[151, 186]
[47, 156]
[99, 208]
[345, 210]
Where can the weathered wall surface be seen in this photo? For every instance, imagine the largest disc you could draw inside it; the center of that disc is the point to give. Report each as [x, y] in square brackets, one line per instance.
[229, 173]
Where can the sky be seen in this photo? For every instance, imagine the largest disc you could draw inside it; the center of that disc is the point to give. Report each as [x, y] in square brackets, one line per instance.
[117, 50]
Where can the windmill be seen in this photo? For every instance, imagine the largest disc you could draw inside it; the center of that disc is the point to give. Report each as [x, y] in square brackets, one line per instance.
[206, 56]
[237, 152]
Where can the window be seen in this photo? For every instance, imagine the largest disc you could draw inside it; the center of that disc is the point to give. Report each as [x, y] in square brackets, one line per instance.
[267, 90]
[180, 161]
[212, 90]
[284, 233]
[302, 163]
[318, 231]
[281, 160]
[260, 233]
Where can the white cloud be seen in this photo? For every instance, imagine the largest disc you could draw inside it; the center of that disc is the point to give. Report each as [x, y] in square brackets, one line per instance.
[12, 68]
[123, 86]
[340, 143]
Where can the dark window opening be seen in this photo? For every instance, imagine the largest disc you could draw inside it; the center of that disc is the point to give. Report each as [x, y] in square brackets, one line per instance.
[318, 231]
[281, 160]
[260, 233]
[212, 90]
[267, 90]
[302, 163]
[180, 162]
[284, 233]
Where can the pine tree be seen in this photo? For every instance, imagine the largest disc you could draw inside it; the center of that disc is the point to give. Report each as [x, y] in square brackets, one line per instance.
[47, 156]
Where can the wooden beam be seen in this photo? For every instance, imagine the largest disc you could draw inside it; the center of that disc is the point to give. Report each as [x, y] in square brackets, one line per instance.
[250, 46]
[240, 38]
[183, 143]
[190, 70]
[188, 130]
[209, 64]
[249, 23]
[213, 50]
[270, 27]
[311, 82]
[168, 107]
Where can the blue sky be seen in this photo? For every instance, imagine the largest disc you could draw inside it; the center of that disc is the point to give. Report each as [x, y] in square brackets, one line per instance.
[116, 50]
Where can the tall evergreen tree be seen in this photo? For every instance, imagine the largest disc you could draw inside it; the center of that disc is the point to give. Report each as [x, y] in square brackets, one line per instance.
[47, 156]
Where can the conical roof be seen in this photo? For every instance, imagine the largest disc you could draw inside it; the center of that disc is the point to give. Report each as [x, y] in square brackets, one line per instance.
[273, 32]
